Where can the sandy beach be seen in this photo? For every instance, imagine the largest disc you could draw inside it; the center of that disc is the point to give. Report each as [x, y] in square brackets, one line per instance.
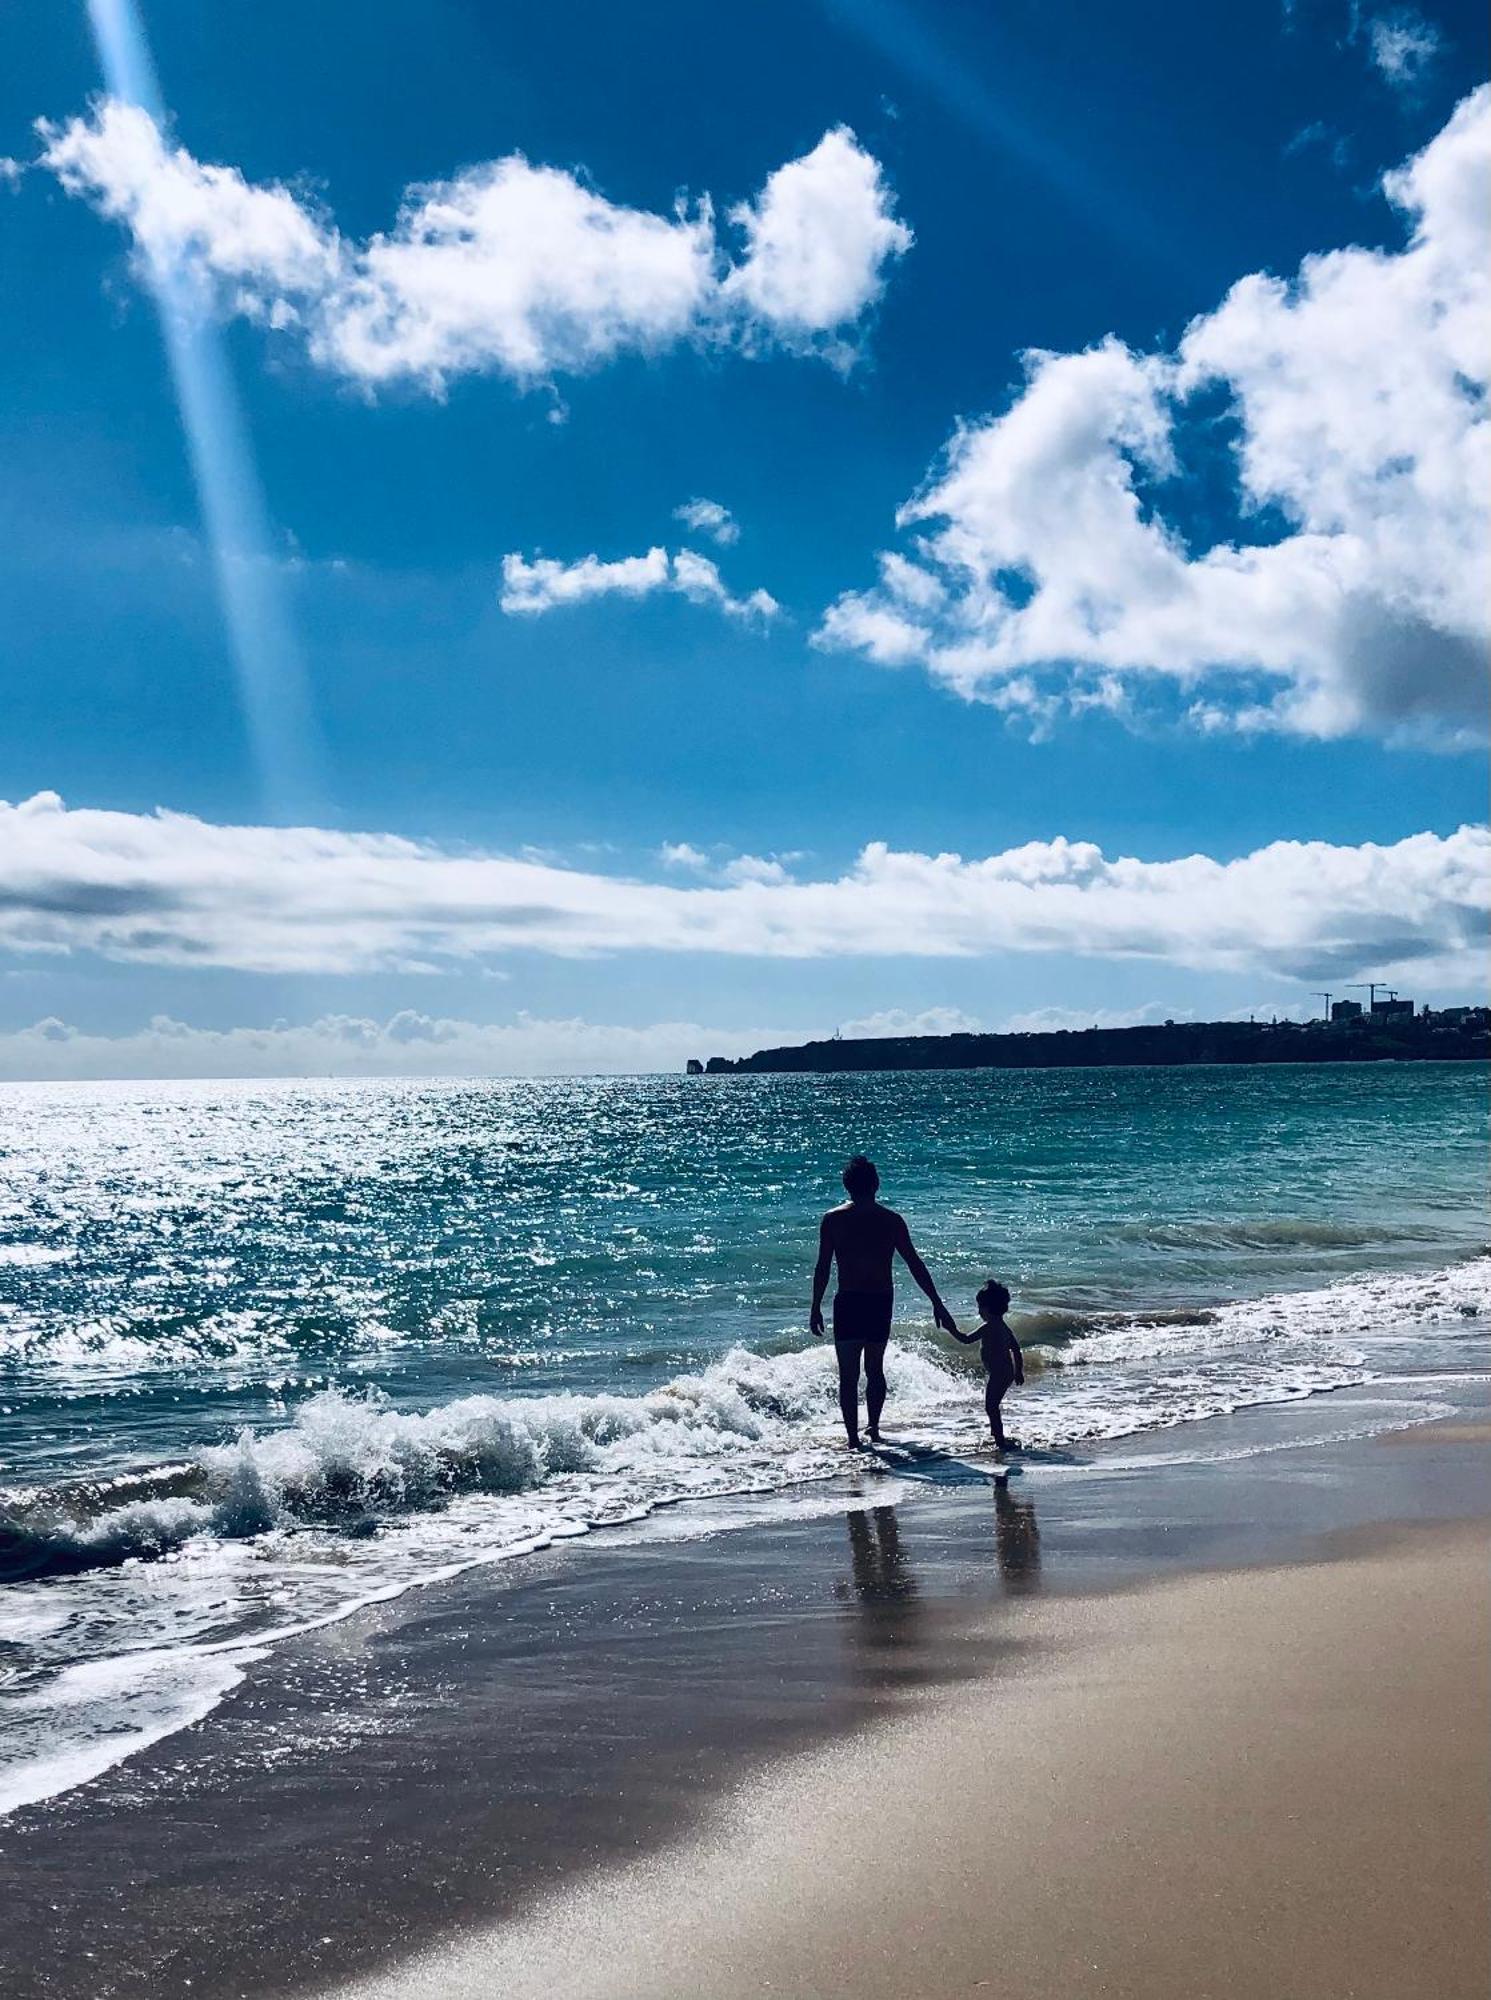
[1265, 1783]
[1203, 1713]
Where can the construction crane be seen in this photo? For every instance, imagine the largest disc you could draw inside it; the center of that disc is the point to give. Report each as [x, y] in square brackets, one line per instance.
[1370, 987]
[1318, 993]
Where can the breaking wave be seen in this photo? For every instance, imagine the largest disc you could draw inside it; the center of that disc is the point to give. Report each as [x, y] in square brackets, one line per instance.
[353, 1461]
[355, 1464]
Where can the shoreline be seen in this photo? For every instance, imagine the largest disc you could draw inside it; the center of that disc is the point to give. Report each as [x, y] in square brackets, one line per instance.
[451, 1761]
[1244, 1783]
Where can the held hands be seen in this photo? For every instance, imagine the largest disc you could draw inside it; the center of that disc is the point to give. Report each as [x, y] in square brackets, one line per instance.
[943, 1318]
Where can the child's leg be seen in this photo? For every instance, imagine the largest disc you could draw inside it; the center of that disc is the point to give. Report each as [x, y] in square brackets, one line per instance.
[992, 1395]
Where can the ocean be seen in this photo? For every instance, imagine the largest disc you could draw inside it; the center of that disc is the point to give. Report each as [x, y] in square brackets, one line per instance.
[273, 1351]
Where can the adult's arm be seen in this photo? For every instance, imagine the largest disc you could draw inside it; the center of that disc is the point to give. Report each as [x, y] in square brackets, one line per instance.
[821, 1272]
[922, 1276]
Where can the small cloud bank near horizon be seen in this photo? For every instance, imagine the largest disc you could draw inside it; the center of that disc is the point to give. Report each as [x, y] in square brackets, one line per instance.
[416, 1045]
[1049, 570]
[409, 1043]
[167, 889]
[507, 268]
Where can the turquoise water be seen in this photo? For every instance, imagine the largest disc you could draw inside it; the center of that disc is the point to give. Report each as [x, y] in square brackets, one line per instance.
[269, 1350]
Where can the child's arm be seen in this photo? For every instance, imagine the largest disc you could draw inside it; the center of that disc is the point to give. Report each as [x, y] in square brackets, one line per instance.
[1017, 1355]
[967, 1338]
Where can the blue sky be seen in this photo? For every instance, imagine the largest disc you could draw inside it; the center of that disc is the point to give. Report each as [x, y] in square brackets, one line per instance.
[1005, 179]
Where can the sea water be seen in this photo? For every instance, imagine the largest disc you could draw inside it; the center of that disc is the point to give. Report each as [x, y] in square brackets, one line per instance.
[272, 1351]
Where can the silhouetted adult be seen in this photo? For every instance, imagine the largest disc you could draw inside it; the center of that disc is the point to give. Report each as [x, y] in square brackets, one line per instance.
[865, 1238]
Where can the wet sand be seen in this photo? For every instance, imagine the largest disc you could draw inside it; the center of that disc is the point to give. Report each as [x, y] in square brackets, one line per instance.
[1264, 1783]
[1190, 1708]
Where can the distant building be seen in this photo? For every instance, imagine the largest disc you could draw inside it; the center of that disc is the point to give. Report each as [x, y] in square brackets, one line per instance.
[1392, 1010]
[1346, 1010]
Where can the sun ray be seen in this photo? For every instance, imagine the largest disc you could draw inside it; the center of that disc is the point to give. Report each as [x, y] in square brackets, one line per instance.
[271, 677]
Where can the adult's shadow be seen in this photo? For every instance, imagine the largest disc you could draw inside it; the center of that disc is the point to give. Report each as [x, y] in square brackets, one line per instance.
[946, 1468]
[882, 1574]
[883, 1588]
[927, 1463]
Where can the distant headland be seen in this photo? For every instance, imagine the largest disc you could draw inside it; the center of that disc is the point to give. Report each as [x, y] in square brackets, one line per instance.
[1389, 1032]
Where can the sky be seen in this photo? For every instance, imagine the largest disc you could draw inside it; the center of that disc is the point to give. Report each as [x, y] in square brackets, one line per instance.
[568, 538]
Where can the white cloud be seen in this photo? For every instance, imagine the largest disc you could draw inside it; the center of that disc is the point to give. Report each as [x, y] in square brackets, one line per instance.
[261, 243]
[1051, 1020]
[166, 889]
[709, 517]
[544, 585]
[732, 869]
[818, 238]
[753, 868]
[698, 579]
[507, 267]
[1046, 574]
[532, 587]
[893, 1021]
[408, 1044]
[1400, 43]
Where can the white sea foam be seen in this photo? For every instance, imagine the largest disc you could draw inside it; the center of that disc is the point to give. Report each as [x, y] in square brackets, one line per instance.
[163, 1597]
[1372, 1305]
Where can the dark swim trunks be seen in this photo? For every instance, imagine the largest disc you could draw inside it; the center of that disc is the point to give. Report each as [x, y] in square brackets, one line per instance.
[862, 1319]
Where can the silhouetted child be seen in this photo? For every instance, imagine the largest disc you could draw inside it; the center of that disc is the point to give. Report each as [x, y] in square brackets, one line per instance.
[1001, 1353]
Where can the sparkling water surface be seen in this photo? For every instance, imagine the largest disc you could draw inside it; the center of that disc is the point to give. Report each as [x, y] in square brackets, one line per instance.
[267, 1350]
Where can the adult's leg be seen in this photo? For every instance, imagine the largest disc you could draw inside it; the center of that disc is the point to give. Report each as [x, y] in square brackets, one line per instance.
[847, 1353]
[874, 1384]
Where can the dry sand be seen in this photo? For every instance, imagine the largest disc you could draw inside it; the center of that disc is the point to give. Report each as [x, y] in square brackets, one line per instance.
[1257, 1783]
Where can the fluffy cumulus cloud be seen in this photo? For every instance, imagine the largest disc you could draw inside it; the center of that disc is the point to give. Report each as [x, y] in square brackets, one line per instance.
[709, 517]
[409, 1043]
[542, 584]
[1048, 571]
[170, 890]
[522, 270]
[818, 240]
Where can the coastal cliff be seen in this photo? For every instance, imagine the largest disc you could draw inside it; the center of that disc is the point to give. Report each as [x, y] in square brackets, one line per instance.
[1455, 1035]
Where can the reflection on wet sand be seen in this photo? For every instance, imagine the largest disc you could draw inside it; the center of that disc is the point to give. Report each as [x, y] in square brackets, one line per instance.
[1017, 1540]
[884, 1585]
[893, 1613]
